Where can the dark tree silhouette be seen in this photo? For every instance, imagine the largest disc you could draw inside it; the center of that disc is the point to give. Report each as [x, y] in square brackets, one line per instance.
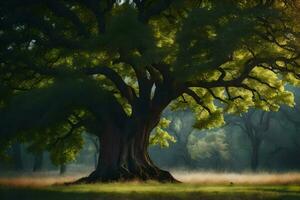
[38, 162]
[256, 125]
[17, 157]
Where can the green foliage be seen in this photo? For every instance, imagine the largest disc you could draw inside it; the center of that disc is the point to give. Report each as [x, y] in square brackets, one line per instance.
[124, 32]
[66, 150]
[211, 144]
[160, 136]
[208, 115]
[56, 127]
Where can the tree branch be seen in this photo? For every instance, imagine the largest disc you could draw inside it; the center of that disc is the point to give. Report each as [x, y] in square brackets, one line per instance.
[99, 13]
[59, 9]
[262, 82]
[125, 90]
[197, 99]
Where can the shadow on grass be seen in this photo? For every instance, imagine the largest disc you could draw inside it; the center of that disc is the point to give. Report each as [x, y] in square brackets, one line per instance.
[9, 193]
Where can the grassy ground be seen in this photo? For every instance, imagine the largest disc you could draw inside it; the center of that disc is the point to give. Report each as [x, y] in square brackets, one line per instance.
[33, 189]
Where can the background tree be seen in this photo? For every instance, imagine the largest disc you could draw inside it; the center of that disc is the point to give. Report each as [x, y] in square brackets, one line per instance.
[111, 69]
[38, 162]
[291, 117]
[194, 149]
[62, 169]
[289, 121]
[256, 125]
[17, 160]
[181, 128]
[95, 142]
[210, 146]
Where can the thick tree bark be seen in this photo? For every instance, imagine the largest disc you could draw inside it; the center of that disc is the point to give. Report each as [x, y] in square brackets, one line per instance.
[38, 162]
[123, 156]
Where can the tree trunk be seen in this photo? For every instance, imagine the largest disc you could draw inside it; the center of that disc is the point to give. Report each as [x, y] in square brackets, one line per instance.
[38, 162]
[124, 156]
[17, 157]
[255, 155]
[96, 156]
[62, 169]
[186, 157]
[97, 149]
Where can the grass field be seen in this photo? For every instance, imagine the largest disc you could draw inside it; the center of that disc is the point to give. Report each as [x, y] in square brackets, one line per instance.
[208, 186]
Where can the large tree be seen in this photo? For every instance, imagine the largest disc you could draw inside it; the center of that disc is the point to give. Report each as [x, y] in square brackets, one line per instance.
[111, 68]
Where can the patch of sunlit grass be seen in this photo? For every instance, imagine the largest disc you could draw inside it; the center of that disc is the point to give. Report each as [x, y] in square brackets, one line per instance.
[199, 178]
[196, 185]
[260, 178]
[36, 179]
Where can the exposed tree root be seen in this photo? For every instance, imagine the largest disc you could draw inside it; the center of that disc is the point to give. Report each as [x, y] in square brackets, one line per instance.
[125, 176]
